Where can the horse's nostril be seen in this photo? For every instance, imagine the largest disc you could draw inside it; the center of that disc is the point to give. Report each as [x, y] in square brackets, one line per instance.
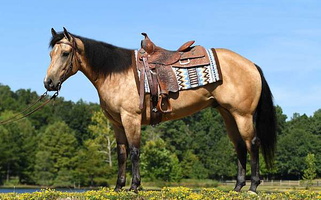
[48, 83]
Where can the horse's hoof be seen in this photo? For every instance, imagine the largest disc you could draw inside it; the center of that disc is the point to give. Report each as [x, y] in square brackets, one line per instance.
[117, 189]
[238, 188]
[134, 191]
[252, 192]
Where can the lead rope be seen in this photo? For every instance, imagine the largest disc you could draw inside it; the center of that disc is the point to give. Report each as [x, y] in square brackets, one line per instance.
[26, 112]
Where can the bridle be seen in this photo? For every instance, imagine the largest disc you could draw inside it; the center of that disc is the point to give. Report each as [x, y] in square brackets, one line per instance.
[33, 108]
[74, 50]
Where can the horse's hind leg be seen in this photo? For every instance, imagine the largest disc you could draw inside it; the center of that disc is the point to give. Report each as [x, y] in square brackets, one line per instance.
[247, 131]
[255, 174]
[241, 165]
[239, 146]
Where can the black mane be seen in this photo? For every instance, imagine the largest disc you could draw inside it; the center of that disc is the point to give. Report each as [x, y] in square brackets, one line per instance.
[104, 58]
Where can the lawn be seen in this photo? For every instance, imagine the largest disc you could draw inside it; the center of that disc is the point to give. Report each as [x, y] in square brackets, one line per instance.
[168, 193]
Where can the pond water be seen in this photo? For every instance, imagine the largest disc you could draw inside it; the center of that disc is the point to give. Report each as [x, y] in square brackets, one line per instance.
[30, 190]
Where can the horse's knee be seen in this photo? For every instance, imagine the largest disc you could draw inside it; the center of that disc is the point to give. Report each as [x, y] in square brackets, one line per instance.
[122, 152]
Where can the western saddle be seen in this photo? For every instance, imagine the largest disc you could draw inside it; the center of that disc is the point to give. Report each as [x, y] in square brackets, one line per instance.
[156, 64]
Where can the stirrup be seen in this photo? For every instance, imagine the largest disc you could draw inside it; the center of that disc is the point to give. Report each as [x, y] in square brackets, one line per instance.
[161, 98]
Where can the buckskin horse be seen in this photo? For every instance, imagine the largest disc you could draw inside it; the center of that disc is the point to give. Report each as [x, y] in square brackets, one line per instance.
[242, 97]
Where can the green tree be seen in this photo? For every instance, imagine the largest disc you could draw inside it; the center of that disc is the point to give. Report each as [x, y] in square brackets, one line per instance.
[310, 172]
[25, 97]
[192, 167]
[210, 142]
[96, 158]
[177, 136]
[292, 148]
[79, 119]
[92, 170]
[103, 135]
[157, 163]
[224, 160]
[315, 126]
[281, 120]
[56, 154]
[7, 99]
[16, 146]
[299, 121]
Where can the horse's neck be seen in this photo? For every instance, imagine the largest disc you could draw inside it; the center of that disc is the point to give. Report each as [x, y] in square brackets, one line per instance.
[88, 72]
[102, 81]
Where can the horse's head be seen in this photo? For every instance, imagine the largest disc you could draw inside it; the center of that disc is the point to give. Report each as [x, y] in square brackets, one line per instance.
[64, 62]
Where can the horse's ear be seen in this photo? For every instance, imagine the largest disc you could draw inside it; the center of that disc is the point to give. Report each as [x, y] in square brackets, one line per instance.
[67, 35]
[53, 32]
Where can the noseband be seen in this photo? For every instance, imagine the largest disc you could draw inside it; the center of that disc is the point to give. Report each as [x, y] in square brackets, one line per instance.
[73, 51]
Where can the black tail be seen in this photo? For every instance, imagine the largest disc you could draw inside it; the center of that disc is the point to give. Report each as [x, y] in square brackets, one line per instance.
[266, 122]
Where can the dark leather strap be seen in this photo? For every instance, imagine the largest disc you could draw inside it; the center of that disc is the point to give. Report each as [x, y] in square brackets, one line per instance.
[155, 115]
[150, 79]
[141, 88]
[30, 109]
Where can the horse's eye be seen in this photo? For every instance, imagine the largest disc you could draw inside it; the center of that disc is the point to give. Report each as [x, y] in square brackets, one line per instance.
[65, 54]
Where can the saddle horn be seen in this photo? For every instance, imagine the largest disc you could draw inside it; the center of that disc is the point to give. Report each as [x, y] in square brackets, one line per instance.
[147, 44]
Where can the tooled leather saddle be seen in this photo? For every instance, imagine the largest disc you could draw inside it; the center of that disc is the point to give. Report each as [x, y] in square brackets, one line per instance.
[155, 63]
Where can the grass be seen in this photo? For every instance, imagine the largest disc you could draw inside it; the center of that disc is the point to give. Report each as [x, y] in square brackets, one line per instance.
[186, 189]
[166, 193]
[191, 183]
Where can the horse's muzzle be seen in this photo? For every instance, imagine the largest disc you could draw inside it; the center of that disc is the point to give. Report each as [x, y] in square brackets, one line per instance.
[50, 85]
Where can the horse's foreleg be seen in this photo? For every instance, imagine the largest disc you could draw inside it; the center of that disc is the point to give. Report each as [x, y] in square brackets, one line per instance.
[122, 157]
[135, 154]
[132, 126]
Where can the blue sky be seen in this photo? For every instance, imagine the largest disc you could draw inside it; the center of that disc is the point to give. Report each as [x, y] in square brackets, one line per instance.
[283, 37]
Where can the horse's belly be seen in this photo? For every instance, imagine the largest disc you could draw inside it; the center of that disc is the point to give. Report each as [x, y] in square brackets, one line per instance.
[187, 102]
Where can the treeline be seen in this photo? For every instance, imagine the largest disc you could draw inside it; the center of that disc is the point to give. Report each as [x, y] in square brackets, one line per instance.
[68, 144]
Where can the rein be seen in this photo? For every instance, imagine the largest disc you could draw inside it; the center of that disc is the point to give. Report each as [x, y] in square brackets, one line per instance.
[28, 111]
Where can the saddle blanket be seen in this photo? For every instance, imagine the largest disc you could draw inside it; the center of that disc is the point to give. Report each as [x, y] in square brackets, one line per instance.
[193, 77]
